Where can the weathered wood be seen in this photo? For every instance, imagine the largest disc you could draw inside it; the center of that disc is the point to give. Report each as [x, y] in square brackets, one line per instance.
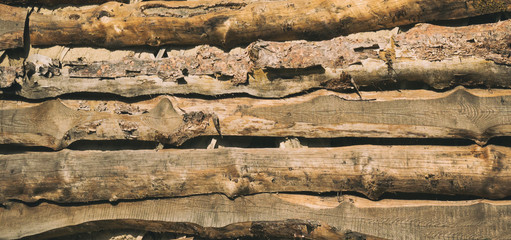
[438, 56]
[235, 22]
[82, 176]
[12, 26]
[53, 124]
[322, 114]
[56, 2]
[8, 76]
[391, 219]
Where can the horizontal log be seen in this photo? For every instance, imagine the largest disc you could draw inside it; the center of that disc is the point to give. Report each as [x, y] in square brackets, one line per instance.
[390, 219]
[12, 26]
[83, 176]
[53, 124]
[323, 114]
[438, 56]
[235, 22]
[56, 2]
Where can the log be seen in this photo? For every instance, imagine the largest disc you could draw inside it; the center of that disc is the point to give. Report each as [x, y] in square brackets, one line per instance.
[12, 26]
[440, 57]
[55, 2]
[390, 219]
[83, 176]
[236, 22]
[53, 124]
[322, 114]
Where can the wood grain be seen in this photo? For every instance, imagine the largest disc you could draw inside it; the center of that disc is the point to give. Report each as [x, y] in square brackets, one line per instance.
[52, 124]
[12, 26]
[437, 56]
[323, 114]
[56, 2]
[82, 176]
[232, 23]
[390, 219]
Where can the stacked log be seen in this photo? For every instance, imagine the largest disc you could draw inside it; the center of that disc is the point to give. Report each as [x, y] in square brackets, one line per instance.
[255, 119]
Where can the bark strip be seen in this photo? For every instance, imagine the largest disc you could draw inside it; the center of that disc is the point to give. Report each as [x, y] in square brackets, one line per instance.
[235, 22]
[389, 219]
[437, 56]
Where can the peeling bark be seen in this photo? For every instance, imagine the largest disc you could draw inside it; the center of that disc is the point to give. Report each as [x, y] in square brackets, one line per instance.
[232, 23]
[440, 57]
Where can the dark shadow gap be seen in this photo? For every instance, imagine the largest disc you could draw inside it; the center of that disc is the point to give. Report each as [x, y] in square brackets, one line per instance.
[338, 194]
[203, 142]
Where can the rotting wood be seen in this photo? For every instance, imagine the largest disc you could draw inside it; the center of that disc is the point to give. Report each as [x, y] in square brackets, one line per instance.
[438, 56]
[236, 22]
[322, 114]
[83, 176]
[391, 219]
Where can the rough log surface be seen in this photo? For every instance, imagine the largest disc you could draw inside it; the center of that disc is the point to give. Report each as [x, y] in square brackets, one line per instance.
[438, 56]
[56, 2]
[322, 114]
[12, 26]
[390, 219]
[82, 176]
[232, 23]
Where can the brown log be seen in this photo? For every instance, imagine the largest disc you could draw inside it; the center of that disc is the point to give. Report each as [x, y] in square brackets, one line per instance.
[236, 22]
[55, 2]
[12, 26]
[83, 176]
[390, 219]
[438, 56]
[323, 114]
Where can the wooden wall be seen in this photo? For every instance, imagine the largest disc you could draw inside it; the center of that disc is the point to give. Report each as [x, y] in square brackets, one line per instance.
[255, 119]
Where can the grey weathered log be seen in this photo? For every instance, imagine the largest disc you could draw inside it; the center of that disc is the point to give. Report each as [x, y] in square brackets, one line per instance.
[322, 114]
[390, 219]
[234, 22]
[83, 176]
[437, 56]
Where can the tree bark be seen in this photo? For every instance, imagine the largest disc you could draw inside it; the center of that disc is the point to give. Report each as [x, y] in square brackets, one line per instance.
[83, 176]
[390, 219]
[322, 114]
[439, 57]
[238, 22]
